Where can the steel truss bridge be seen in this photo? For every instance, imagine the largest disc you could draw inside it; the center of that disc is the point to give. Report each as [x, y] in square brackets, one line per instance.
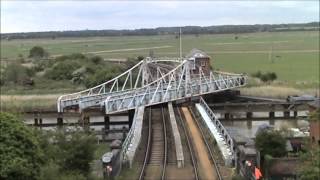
[149, 82]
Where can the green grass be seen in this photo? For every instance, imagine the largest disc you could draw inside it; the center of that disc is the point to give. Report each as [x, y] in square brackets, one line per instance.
[295, 54]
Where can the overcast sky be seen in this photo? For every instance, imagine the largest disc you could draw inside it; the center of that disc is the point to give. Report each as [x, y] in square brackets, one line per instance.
[28, 16]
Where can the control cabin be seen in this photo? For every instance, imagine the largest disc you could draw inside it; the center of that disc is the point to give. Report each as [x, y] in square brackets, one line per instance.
[199, 59]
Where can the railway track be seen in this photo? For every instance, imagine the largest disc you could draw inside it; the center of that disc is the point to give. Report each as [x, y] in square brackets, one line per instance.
[155, 161]
[190, 149]
[210, 150]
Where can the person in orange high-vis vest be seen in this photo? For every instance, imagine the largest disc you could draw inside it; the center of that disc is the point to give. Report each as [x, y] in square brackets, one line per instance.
[257, 173]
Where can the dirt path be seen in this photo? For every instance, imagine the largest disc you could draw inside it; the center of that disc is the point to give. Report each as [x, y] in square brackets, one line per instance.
[206, 168]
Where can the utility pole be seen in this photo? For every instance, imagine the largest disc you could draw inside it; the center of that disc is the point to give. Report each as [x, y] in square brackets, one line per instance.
[180, 45]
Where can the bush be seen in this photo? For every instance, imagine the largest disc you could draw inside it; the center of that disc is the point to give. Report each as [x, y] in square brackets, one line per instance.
[37, 52]
[20, 152]
[16, 74]
[96, 59]
[270, 142]
[74, 56]
[62, 70]
[269, 76]
[102, 75]
[71, 151]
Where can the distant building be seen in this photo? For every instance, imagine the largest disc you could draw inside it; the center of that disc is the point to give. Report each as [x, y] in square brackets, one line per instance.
[199, 60]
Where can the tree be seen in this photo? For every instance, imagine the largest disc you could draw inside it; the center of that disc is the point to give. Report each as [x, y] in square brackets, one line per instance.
[37, 52]
[270, 142]
[20, 152]
[311, 164]
[96, 59]
[70, 153]
[62, 70]
[17, 74]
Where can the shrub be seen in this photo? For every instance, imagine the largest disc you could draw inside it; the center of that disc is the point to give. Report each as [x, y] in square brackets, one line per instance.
[96, 59]
[102, 75]
[37, 52]
[16, 74]
[71, 152]
[62, 70]
[269, 76]
[21, 155]
[270, 142]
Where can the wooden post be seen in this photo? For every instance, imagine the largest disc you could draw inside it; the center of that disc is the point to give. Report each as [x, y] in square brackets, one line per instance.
[249, 124]
[272, 122]
[106, 123]
[249, 115]
[60, 120]
[40, 122]
[85, 121]
[131, 116]
[226, 115]
[286, 114]
[36, 121]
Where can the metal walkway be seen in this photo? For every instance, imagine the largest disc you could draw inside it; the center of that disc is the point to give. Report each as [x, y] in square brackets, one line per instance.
[150, 82]
[217, 130]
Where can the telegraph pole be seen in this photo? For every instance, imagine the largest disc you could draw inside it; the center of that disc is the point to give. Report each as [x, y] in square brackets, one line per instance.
[180, 45]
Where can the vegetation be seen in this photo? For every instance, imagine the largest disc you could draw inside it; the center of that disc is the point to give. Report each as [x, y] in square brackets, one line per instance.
[267, 77]
[168, 30]
[37, 52]
[71, 153]
[27, 153]
[295, 61]
[17, 74]
[310, 157]
[270, 142]
[20, 150]
[315, 115]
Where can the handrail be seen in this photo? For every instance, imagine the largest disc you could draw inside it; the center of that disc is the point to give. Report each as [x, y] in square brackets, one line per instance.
[216, 121]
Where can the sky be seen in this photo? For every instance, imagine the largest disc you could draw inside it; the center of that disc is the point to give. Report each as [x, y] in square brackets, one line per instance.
[34, 16]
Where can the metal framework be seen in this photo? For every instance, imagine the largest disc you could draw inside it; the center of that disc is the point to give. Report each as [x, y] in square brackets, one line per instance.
[142, 85]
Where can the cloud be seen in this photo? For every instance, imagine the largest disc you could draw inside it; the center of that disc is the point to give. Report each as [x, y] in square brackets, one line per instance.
[26, 16]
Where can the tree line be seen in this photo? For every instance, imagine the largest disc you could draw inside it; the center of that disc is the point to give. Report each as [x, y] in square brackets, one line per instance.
[221, 29]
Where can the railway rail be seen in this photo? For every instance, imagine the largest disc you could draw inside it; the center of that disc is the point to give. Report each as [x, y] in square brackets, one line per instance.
[210, 150]
[155, 161]
[191, 151]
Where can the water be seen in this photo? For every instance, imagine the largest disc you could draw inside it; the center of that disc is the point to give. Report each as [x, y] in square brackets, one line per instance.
[249, 128]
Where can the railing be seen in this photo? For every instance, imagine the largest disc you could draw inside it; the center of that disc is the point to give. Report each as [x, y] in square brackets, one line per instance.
[218, 124]
[170, 91]
[176, 84]
[127, 142]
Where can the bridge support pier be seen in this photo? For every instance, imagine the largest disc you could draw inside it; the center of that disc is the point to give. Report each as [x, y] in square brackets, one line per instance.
[286, 114]
[60, 120]
[131, 116]
[295, 113]
[40, 122]
[272, 122]
[249, 115]
[227, 116]
[249, 124]
[271, 114]
[86, 122]
[36, 122]
[106, 123]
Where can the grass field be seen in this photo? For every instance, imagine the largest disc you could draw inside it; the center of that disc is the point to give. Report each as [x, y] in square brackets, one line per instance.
[294, 57]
